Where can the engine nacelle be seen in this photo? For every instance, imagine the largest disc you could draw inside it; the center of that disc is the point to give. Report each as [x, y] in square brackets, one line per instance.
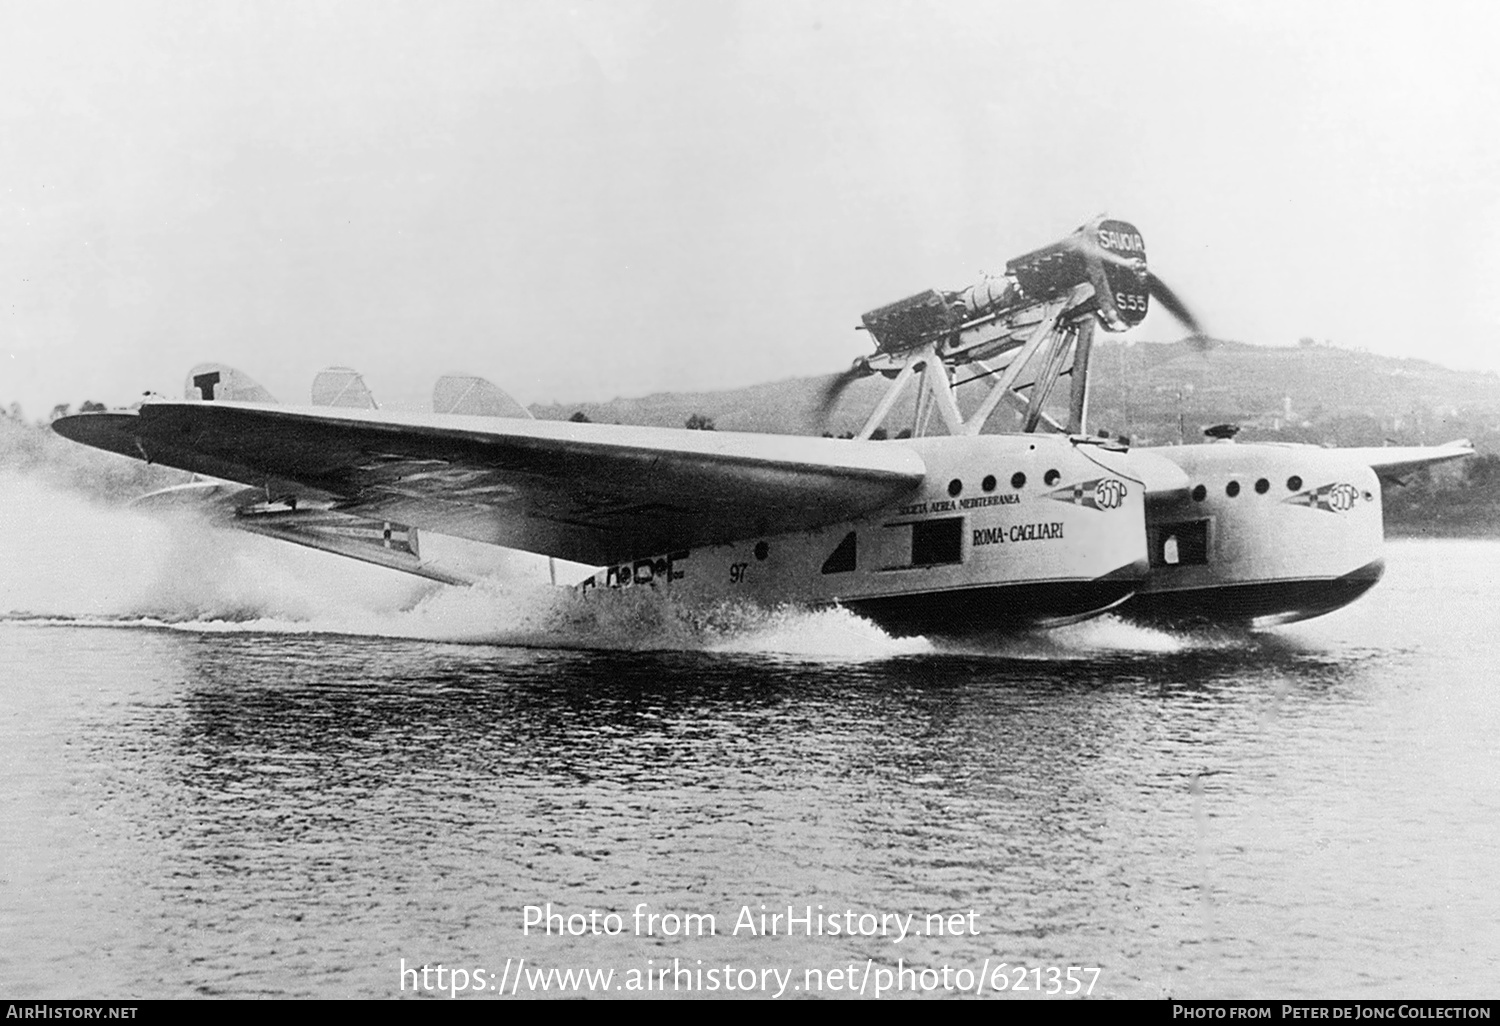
[1109, 256]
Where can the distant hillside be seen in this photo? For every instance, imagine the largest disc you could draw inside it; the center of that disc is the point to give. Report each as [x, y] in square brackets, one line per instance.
[1157, 393]
[780, 407]
[1311, 393]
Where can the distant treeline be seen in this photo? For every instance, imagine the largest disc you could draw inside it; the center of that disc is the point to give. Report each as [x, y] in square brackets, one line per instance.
[1460, 499]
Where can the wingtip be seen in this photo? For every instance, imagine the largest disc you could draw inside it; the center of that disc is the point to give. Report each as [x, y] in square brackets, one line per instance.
[113, 430]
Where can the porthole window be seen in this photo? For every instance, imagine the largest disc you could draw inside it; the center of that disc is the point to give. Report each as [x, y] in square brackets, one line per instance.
[1232, 489]
[1018, 480]
[1052, 477]
[954, 487]
[1262, 486]
[1294, 483]
[1200, 493]
[988, 484]
[762, 550]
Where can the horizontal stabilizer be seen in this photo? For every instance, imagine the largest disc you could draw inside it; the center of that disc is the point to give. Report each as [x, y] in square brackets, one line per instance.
[217, 381]
[342, 386]
[473, 396]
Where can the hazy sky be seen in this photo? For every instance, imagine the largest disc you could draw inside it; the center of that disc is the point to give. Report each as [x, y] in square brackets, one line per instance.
[589, 200]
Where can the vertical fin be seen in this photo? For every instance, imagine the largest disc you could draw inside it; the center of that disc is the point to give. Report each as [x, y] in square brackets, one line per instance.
[210, 381]
[473, 396]
[342, 386]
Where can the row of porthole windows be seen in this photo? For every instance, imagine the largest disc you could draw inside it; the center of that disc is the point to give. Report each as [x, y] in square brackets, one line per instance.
[1017, 481]
[1262, 486]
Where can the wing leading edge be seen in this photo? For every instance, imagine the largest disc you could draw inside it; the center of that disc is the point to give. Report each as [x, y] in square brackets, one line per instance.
[593, 493]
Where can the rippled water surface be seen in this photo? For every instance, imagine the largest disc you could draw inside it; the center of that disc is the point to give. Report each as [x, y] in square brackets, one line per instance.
[286, 782]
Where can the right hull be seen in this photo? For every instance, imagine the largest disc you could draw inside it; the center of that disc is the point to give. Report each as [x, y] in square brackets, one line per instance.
[1266, 534]
[1254, 604]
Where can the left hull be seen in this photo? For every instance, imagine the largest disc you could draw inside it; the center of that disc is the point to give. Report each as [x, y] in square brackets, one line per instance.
[1005, 533]
[1000, 608]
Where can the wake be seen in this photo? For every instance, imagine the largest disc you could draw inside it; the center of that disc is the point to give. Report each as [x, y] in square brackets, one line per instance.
[77, 562]
[72, 561]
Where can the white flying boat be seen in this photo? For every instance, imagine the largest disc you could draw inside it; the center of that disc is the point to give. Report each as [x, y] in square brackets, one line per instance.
[951, 532]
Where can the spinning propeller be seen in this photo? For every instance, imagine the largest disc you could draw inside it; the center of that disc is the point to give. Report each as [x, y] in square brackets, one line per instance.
[828, 396]
[1155, 287]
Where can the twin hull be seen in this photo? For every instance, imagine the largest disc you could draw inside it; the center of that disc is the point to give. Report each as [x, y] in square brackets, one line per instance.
[1012, 532]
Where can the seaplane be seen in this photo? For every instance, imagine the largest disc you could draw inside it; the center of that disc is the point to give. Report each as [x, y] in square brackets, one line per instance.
[951, 529]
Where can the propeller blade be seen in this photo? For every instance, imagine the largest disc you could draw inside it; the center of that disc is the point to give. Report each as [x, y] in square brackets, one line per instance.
[1158, 288]
[829, 397]
[1174, 306]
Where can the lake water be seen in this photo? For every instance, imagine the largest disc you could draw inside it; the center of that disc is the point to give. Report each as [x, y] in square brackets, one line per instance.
[231, 768]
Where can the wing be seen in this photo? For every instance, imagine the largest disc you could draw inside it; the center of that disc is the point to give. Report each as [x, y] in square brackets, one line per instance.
[593, 493]
[1392, 463]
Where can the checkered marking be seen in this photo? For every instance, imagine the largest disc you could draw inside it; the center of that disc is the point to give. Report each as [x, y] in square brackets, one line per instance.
[1335, 498]
[1101, 493]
